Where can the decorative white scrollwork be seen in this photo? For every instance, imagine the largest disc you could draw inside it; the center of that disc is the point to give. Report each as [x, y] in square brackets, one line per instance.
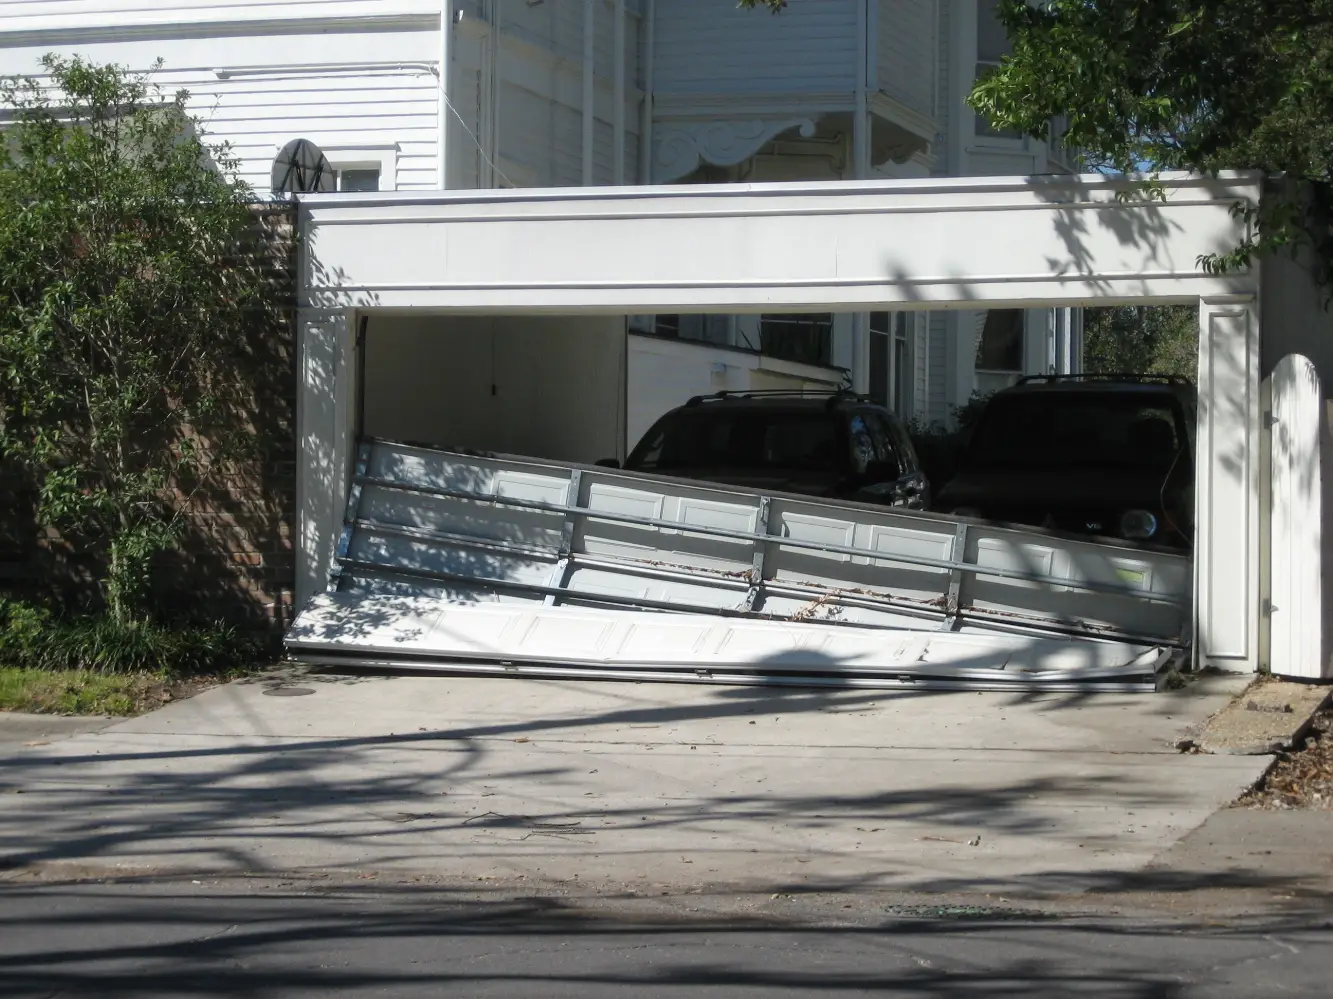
[680, 147]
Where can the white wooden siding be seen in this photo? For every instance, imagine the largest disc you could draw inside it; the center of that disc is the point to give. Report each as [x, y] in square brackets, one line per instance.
[944, 96]
[465, 163]
[64, 15]
[1000, 163]
[541, 95]
[351, 85]
[937, 401]
[370, 93]
[664, 374]
[712, 47]
[920, 354]
[904, 60]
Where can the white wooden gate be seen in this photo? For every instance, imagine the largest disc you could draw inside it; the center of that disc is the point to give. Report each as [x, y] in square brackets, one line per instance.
[1296, 544]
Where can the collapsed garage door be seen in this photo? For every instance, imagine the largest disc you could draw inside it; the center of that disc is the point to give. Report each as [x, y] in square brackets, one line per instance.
[466, 563]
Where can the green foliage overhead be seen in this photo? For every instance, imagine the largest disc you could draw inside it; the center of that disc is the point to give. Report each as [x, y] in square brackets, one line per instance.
[1200, 85]
[1156, 340]
[130, 296]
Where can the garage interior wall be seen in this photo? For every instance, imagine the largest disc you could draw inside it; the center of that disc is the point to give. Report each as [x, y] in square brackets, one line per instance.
[664, 374]
[543, 386]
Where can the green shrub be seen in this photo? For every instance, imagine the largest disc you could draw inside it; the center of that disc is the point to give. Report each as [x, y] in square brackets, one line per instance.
[34, 637]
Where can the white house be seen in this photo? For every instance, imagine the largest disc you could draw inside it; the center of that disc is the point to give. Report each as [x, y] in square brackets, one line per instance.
[562, 93]
[521, 319]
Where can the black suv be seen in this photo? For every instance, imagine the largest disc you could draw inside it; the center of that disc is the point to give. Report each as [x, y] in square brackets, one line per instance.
[1108, 455]
[836, 445]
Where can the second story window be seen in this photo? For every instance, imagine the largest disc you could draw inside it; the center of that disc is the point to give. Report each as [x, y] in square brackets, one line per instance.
[992, 46]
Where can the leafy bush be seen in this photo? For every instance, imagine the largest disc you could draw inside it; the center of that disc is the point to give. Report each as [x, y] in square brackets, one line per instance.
[34, 637]
[134, 295]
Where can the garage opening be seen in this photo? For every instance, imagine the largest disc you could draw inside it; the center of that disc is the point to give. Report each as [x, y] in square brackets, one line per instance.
[475, 520]
[534, 354]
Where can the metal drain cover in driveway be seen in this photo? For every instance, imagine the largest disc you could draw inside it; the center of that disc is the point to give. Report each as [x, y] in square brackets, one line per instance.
[288, 691]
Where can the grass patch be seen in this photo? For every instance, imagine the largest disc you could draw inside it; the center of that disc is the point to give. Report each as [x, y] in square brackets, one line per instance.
[85, 692]
[33, 636]
[92, 664]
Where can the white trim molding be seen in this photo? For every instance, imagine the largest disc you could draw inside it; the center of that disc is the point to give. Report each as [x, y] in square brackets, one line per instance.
[1002, 242]
[203, 22]
[379, 156]
[1227, 487]
[895, 111]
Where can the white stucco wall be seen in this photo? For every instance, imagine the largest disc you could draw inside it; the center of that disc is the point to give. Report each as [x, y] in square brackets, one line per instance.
[664, 374]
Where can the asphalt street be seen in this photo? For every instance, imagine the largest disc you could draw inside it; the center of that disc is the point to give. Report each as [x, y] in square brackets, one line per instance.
[306, 938]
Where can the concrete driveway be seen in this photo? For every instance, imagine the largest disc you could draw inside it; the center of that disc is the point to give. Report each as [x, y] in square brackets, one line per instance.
[646, 788]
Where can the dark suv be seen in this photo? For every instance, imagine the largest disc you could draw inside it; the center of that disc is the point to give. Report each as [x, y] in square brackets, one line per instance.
[836, 445]
[1108, 455]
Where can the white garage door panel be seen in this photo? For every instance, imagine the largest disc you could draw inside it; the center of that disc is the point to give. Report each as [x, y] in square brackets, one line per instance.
[500, 548]
[355, 625]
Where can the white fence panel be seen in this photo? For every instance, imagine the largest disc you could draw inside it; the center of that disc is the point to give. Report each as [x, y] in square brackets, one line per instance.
[1296, 545]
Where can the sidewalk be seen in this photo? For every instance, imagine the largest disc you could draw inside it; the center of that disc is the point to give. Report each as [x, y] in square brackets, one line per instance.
[587, 787]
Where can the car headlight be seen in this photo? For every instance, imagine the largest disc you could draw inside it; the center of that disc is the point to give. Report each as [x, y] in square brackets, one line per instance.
[1138, 525]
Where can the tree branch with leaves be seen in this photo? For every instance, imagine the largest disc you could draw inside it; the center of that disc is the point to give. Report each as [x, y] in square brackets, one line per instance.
[1196, 85]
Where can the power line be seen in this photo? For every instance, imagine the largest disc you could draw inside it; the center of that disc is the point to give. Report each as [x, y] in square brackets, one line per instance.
[489, 162]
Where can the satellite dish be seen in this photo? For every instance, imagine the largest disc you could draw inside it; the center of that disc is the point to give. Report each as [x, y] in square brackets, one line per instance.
[300, 168]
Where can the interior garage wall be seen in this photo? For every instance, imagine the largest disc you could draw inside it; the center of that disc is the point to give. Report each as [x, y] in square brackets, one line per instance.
[542, 386]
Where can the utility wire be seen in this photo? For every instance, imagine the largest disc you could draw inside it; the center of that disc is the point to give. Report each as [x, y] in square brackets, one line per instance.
[499, 173]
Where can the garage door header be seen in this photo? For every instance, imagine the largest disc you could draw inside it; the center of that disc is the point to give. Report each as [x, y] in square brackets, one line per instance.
[1003, 241]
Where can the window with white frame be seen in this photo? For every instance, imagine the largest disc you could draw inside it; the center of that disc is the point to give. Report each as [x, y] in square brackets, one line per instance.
[357, 178]
[992, 46]
[363, 168]
[891, 361]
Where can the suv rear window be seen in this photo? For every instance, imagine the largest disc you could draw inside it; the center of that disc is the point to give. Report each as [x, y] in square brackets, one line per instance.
[740, 440]
[1066, 429]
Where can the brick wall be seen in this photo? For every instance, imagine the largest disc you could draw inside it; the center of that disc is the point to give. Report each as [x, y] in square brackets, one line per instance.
[235, 560]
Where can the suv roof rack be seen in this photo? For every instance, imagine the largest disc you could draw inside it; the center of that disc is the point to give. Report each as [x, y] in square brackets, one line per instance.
[833, 396]
[1127, 377]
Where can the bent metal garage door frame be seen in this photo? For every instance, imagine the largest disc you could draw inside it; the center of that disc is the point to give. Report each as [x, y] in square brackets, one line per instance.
[998, 242]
